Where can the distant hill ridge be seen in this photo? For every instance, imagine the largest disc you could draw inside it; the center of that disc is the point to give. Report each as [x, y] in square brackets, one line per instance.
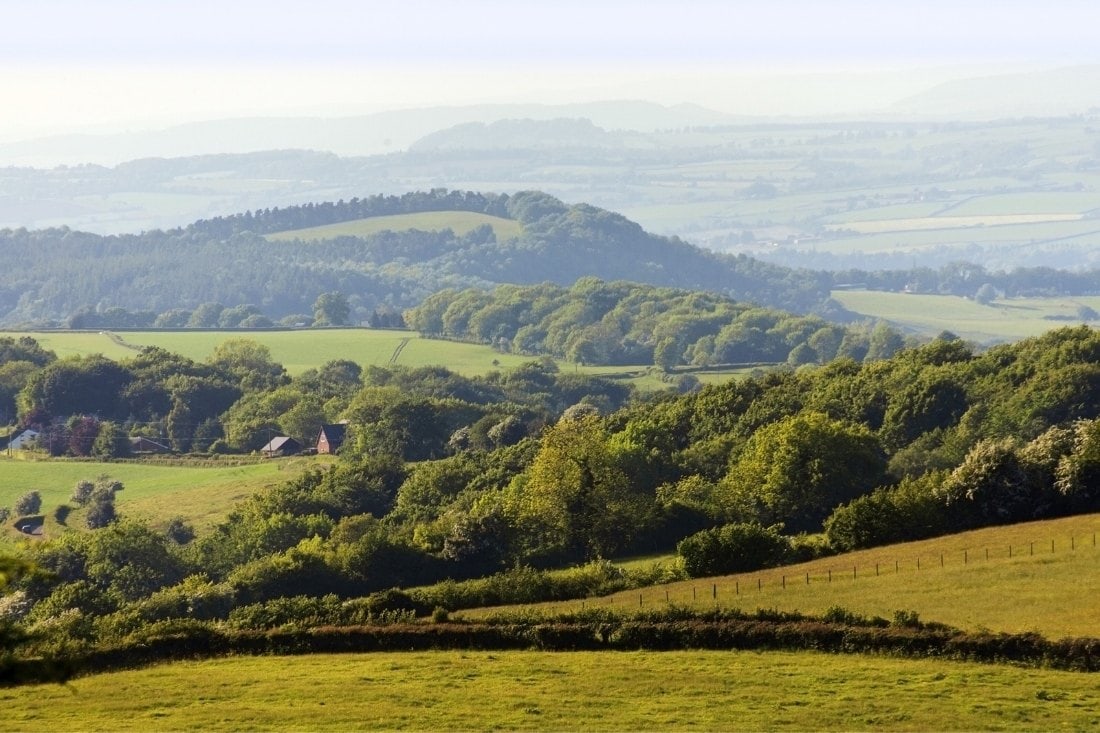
[63, 272]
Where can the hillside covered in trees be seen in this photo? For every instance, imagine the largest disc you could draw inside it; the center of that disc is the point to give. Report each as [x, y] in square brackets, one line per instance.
[227, 260]
[445, 479]
[72, 278]
[594, 322]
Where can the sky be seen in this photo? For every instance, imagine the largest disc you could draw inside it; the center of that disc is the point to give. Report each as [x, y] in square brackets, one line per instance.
[106, 65]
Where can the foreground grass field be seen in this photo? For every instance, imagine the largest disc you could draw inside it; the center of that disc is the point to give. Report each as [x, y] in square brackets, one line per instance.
[1003, 320]
[562, 691]
[1034, 589]
[460, 222]
[152, 492]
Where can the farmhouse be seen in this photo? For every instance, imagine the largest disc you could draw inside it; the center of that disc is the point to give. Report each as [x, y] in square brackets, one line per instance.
[281, 446]
[331, 437]
[144, 445]
[24, 440]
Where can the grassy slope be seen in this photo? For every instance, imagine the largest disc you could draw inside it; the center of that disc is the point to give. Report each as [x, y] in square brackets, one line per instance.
[152, 492]
[1004, 320]
[460, 222]
[299, 350]
[562, 691]
[1034, 590]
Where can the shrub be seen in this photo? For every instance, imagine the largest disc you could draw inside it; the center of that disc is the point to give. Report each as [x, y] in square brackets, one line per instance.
[28, 504]
[733, 548]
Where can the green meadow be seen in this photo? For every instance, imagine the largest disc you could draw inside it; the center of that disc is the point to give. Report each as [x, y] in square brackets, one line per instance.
[296, 350]
[299, 350]
[690, 690]
[1036, 576]
[1003, 320]
[460, 222]
[155, 492]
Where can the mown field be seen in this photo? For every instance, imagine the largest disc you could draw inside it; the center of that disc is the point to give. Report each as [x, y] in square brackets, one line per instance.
[1003, 320]
[460, 222]
[1034, 586]
[562, 691]
[156, 493]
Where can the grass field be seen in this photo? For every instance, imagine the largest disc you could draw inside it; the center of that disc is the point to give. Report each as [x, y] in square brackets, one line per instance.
[1034, 589]
[152, 492]
[874, 226]
[460, 222]
[299, 350]
[1004, 320]
[562, 691]
[296, 350]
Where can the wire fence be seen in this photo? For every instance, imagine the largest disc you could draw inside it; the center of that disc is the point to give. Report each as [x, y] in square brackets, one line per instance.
[733, 588]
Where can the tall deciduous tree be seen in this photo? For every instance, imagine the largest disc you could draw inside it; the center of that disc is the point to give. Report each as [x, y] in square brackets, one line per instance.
[331, 309]
[797, 470]
[576, 496]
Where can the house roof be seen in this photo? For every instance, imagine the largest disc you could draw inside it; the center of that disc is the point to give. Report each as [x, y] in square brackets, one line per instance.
[24, 437]
[333, 433]
[143, 443]
[280, 443]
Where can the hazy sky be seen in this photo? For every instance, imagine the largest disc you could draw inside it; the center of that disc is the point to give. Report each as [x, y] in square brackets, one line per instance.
[78, 64]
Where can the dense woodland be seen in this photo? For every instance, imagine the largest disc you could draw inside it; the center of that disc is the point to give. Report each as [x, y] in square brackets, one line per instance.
[594, 322]
[446, 480]
[67, 277]
[61, 272]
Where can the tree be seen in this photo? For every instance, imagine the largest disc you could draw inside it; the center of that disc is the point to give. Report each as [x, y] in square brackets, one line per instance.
[28, 504]
[111, 442]
[205, 316]
[250, 362]
[82, 492]
[990, 486]
[83, 432]
[331, 309]
[181, 426]
[797, 470]
[91, 385]
[179, 531]
[101, 509]
[733, 548]
[576, 496]
[986, 294]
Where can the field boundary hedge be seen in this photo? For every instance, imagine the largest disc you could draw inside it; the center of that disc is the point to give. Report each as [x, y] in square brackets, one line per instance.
[767, 631]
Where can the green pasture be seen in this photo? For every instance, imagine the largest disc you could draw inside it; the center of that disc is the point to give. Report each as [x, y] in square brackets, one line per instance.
[299, 350]
[154, 492]
[296, 350]
[460, 222]
[1003, 320]
[598, 691]
[76, 343]
[1007, 235]
[1022, 584]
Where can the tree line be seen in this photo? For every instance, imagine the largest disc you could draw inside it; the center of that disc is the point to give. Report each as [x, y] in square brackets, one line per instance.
[597, 322]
